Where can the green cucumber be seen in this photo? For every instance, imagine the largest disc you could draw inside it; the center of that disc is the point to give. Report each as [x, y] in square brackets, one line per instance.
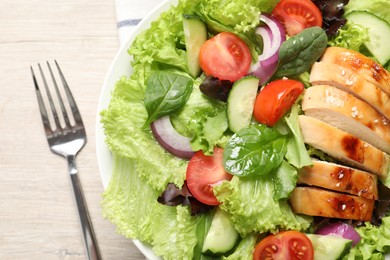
[379, 32]
[195, 34]
[240, 102]
[222, 236]
[330, 247]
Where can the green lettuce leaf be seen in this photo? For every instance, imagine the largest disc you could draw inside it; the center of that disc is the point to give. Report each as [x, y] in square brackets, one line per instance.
[297, 154]
[175, 234]
[164, 44]
[350, 36]
[284, 179]
[253, 208]
[123, 208]
[203, 119]
[241, 15]
[374, 243]
[171, 231]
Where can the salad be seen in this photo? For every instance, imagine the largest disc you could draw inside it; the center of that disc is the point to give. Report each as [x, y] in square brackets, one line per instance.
[222, 148]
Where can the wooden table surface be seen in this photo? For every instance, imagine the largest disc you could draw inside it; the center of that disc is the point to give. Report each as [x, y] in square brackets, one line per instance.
[38, 216]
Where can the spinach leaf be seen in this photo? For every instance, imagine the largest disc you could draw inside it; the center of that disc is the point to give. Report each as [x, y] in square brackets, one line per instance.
[254, 150]
[298, 53]
[165, 93]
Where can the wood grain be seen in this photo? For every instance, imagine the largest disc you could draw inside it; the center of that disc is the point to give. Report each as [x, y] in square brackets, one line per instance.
[38, 218]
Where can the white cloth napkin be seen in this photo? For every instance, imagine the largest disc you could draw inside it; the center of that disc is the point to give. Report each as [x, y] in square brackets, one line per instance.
[129, 13]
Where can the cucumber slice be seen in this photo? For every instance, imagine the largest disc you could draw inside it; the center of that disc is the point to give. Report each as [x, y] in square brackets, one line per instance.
[379, 32]
[195, 34]
[240, 102]
[222, 235]
[329, 247]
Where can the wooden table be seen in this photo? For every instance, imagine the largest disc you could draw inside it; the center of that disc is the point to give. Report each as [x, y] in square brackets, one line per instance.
[38, 217]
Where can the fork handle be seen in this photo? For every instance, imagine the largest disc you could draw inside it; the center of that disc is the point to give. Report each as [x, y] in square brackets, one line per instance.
[89, 236]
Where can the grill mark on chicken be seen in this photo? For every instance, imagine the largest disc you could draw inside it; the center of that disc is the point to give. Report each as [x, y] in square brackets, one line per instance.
[342, 176]
[353, 147]
[377, 71]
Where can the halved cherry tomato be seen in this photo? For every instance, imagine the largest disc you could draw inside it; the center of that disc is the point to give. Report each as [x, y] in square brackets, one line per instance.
[275, 99]
[225, 56]
[285, 245]
[203, 172]
[296, 15]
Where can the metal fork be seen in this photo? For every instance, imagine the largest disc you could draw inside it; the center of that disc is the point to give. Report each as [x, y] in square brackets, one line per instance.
[67, 141]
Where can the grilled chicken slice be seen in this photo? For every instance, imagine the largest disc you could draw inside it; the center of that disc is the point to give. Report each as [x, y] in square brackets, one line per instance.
[344, 146]
[359, 64]
[339, 178]
[319, 202]
[323, 73]
[346, 112]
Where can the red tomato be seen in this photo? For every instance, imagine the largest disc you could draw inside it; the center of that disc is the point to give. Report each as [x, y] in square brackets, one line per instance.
[296, 15]
[203, 172]
[275, 99]
[225, 56]
[285, 245]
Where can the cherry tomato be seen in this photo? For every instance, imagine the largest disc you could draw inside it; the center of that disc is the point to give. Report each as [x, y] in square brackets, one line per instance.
[225, 56]
[296, 15]
[285, 245]
[275, 99]
[203, 172]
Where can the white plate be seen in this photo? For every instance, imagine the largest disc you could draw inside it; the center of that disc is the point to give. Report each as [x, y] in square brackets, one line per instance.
[120, 66]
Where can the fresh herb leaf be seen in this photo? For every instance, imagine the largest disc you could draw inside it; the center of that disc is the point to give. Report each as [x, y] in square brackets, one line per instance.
[165, 93]
[298, 53]
[254, 150]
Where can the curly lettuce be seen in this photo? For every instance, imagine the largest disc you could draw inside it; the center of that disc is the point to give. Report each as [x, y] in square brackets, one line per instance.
[253, 209]
[170, 231]
[351, 36]
[374, 243]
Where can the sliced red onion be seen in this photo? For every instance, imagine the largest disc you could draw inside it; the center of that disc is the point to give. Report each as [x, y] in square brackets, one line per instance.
[340, 229]
[170, 139]
[266, 34]
[273, 35]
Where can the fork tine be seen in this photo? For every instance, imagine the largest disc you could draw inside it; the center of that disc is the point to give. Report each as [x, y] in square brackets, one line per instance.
[53, 109]
[72, 102]
[64, 113]
[42, 108]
